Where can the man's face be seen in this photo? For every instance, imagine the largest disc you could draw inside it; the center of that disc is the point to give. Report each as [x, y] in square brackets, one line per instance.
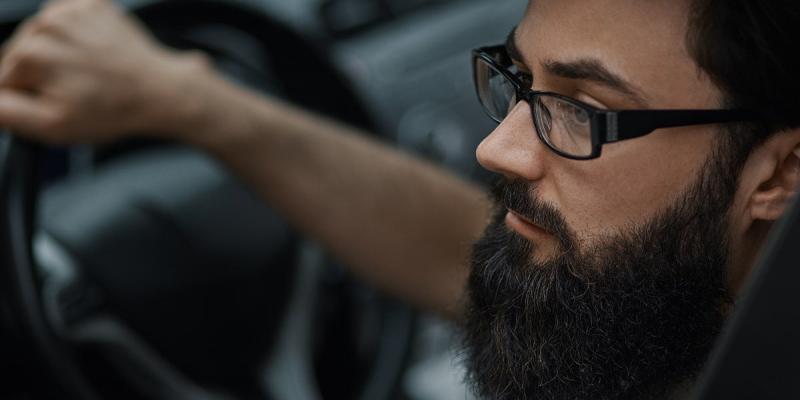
[642, 42]
[602, 278]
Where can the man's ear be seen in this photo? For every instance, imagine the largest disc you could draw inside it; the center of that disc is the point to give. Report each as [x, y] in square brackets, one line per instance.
[780, 178]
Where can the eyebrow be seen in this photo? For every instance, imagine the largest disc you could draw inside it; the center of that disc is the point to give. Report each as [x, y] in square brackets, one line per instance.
[592, 70]
[587, 69]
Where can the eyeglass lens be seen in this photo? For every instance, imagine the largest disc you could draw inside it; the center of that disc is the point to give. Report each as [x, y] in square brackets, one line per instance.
[565, 126]
[497, 94]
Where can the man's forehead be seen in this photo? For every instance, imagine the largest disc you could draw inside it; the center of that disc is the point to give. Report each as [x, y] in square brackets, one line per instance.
[585, 69]
[643, 43]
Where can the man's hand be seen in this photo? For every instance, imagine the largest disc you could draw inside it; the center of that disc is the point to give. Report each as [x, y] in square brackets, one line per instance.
[82, 70]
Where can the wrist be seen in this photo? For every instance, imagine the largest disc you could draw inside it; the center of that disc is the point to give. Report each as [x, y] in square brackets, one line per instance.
[195, 105]
[176, 96]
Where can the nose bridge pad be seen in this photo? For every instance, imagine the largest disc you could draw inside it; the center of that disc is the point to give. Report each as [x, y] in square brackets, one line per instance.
[518, 98]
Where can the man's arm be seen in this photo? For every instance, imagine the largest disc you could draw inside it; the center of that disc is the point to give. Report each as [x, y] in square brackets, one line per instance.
[399, 223]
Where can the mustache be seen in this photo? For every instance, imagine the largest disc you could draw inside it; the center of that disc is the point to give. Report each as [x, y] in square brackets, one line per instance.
[520, 197]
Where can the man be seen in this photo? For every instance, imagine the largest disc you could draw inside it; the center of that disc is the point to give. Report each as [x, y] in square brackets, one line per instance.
[618, 241]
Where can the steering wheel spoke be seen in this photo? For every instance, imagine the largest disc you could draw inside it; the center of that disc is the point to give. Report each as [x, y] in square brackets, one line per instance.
[68, 298]
[78, 312]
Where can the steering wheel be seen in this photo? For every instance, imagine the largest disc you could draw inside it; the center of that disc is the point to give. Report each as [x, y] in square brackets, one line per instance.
[94, 329]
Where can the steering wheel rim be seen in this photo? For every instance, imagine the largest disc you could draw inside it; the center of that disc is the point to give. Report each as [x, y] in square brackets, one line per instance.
[18, 200]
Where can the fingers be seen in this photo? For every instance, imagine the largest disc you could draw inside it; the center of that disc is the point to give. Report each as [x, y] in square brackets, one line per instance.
[26, 64]
[25, 113]
[38, 43]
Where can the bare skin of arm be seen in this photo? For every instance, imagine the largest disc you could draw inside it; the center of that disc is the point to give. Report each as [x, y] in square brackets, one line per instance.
[399, 223]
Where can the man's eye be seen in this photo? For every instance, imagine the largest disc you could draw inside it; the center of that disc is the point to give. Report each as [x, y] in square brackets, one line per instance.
[581, 116]
[574, 115]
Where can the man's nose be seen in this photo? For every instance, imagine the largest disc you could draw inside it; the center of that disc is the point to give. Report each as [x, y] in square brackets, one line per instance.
[513, 149]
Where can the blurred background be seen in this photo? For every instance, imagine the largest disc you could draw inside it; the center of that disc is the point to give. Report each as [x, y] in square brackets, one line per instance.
[157, 275]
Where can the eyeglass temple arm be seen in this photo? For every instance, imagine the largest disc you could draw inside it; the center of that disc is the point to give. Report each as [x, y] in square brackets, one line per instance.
[622, 125]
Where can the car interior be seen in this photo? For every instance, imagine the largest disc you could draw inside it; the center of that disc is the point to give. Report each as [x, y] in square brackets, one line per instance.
[130, 258]
[144, 270]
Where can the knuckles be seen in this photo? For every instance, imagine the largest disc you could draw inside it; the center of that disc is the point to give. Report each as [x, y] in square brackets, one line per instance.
[62, 16]
[37, 42]
[49, 22]
[27, 56]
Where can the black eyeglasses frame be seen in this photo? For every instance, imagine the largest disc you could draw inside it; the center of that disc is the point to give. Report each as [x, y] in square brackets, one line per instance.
[607, 126]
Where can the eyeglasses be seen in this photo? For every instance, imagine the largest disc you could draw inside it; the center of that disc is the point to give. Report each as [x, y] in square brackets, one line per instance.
[569, 127]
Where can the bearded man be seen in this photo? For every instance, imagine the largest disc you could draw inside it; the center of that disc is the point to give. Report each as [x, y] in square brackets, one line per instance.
[645, 150]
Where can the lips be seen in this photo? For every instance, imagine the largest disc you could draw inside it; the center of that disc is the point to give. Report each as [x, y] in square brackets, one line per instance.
[525, 227]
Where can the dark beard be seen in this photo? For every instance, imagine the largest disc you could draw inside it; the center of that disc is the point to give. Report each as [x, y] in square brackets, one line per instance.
[630, 317]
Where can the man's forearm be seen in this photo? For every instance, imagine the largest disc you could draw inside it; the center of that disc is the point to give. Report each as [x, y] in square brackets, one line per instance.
[399, 223]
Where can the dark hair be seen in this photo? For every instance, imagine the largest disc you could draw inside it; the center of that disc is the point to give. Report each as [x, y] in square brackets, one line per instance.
[749, 49]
